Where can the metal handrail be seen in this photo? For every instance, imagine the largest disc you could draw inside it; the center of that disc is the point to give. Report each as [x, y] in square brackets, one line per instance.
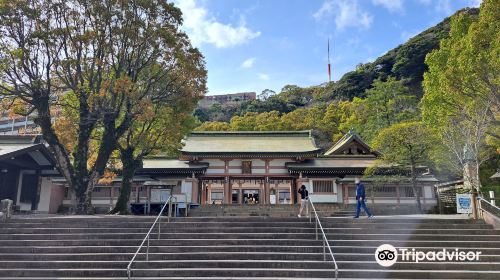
[481, 200]
[325, 240]
[147, 237]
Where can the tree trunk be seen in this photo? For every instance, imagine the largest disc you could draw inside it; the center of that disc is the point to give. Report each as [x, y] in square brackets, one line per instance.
[416, 193]
[129, 167]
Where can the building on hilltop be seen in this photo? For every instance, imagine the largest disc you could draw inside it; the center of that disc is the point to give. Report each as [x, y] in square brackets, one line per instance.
[239, 167]
[208, 100]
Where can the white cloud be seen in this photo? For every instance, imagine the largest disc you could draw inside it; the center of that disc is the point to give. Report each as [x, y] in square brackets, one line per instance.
[347, 13]
[248, 63]
[391, 5]
[443, 6]
[474, 3]
[263, 76]
[203, 28]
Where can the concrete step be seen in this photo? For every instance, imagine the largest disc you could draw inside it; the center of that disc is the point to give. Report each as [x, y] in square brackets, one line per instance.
[239, 249]
[221, 273]
[167, 228]
[100, 247]
[195, 256]
[492, 239]
[270, 264]
[254, 242]
[162, 242]
[150, 219]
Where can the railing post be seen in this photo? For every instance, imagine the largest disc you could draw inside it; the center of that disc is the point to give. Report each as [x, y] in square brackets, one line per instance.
[324, 251]
[169, 209]
[316, 228]
[159, 228]
[309, 211]
[492, 197]
[147, 251]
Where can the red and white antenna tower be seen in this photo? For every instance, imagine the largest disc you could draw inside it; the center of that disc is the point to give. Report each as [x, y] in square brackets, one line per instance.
[329, 67]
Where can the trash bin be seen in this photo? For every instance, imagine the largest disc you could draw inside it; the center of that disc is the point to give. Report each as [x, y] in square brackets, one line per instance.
[6, 208]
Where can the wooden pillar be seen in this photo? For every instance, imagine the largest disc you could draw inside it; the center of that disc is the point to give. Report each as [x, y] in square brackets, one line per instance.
[292, 191]
[265, 198]
[227, 191]
[194, 191]
[346, 193]
[227, 184]
[240, 193]
[203, 194]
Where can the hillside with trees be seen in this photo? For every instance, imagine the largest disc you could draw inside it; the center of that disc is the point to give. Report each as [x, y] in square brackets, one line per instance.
[443, 81]
[405, 63]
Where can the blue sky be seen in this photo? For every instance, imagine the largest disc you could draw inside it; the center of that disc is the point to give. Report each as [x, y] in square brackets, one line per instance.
[252, 45]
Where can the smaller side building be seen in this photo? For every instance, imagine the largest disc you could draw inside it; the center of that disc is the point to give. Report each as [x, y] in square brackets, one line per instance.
[26, 167]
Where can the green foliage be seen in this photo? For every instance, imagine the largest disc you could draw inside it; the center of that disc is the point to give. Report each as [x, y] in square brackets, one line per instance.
[213, 126]
[488, 168]
[386, 103]
[461, 100]
[248, 122]
[116, 57]
[405, 144]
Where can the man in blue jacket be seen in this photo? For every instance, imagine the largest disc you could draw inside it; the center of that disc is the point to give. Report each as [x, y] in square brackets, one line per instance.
[360, 199]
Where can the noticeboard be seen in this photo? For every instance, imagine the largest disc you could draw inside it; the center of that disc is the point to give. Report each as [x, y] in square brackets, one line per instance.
[464, 203]
[160, 195]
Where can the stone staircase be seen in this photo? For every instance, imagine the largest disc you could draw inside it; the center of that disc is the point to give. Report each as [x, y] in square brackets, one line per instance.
[280, 211]
[100, 247]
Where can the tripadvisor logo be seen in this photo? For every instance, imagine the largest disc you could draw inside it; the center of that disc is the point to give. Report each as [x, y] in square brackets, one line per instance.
[387, 255]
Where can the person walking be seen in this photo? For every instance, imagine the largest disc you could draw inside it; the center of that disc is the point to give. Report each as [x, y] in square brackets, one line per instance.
[360, 199]
[304, 197]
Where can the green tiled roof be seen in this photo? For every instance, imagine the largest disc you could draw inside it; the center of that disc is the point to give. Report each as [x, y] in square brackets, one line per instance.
[250, 142]
[171, 163]
[345, 141]
[333, 162]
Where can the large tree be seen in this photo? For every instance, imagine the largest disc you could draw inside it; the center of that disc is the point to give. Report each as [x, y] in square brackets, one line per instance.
[408, 145]
[109, 54]
[462, 98]
[160, 131]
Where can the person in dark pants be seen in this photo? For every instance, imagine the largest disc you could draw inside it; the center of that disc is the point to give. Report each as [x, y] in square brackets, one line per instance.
[304, 197]
[360, 199]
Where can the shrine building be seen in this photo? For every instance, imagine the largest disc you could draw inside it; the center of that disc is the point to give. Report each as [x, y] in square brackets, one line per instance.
[239, 167]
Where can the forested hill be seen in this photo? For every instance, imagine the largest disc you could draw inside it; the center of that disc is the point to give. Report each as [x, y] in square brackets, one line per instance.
[405, 63]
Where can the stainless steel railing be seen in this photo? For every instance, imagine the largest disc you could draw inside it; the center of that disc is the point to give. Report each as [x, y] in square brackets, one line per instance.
[486, 206]
[326, 244]
[147, 237]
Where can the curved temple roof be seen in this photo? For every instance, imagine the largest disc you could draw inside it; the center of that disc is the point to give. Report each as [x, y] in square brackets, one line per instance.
[250, 142]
